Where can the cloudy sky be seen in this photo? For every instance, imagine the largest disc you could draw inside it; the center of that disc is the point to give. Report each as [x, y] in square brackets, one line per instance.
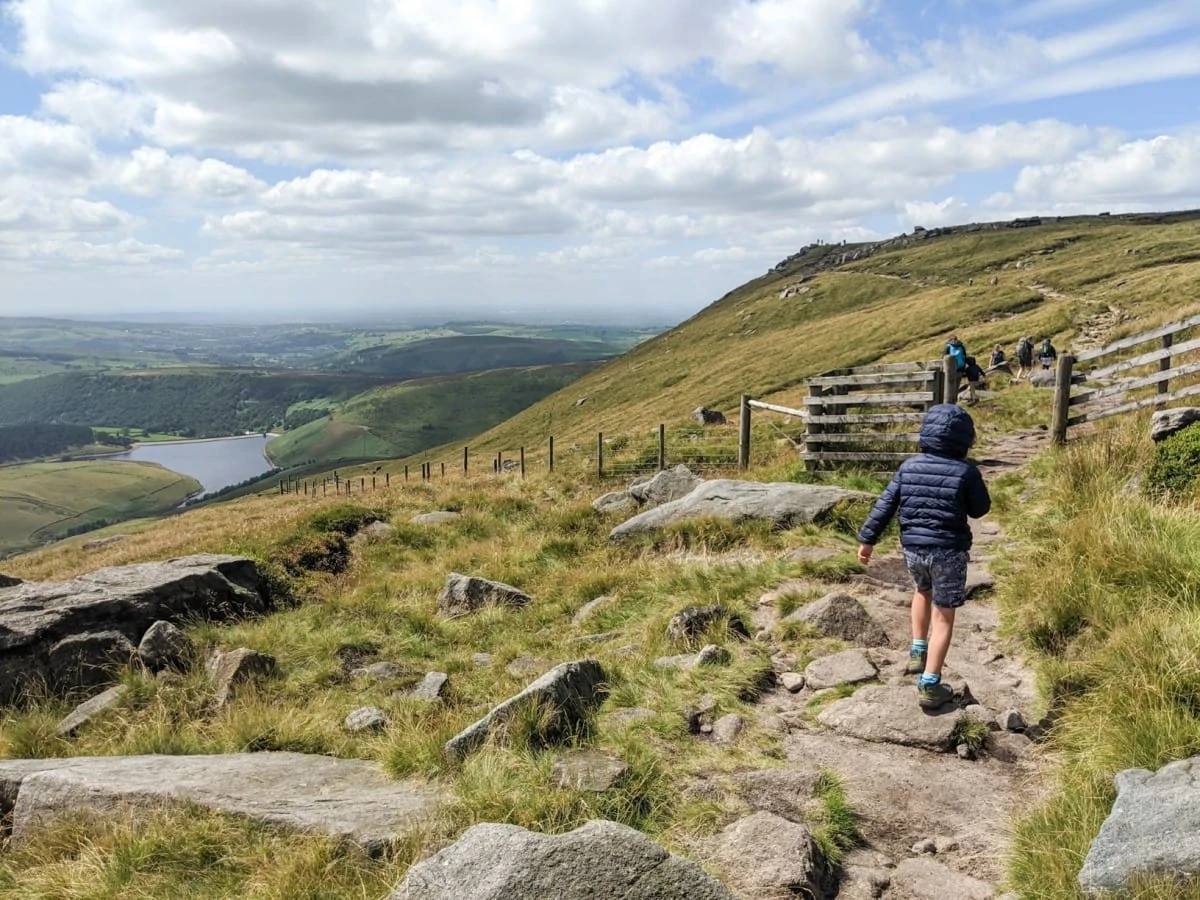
[591, 158]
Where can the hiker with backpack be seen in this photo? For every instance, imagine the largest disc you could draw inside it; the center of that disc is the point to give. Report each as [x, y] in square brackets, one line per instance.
[998, 358]
[966, 366]
[1024, 358]
[933, 494]
[956, 348]
[1047, 355]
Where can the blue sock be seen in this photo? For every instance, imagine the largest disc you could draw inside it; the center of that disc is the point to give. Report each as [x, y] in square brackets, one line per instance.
[918, 647]
[928, 680]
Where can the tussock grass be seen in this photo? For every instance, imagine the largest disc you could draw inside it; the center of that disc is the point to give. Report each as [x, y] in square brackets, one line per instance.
[1107, 595]
[835, 824]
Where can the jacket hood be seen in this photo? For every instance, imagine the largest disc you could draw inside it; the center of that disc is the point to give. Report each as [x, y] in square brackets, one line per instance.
[948, 430]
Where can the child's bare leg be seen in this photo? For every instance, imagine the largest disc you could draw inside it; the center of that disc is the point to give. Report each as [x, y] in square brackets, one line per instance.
[921, 605]
[939, 639]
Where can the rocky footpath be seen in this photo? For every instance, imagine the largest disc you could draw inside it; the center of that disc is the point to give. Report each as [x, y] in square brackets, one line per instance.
[64, 636]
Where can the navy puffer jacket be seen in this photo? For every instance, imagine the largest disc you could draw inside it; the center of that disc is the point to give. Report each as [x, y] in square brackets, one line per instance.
[934, 492]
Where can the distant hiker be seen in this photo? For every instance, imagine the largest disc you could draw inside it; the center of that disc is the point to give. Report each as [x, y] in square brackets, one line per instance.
[1024, 358]
[998, 356]
[955, 348]
[934, 493]
[974, 376]
[1047, 354]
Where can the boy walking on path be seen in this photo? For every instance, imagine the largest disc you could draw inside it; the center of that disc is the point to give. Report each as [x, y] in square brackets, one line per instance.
[933, 494]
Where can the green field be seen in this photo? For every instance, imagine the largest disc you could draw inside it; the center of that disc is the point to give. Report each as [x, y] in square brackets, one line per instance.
[41, 502]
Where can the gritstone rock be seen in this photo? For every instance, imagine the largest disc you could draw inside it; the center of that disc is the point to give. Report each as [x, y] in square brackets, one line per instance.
[601, 859]
[586, 611]
[369, 718]
[614, 502]
[164, 646]
[587, 770]
[228, 670]
[705, 416]
[1172, 421]
[693, 621]
[922, 878]
[9, 580]
[848, 667]
[442, 517]
[87, 660]
[430, 689]
[464, 595]
[842, 616]
[90, 710]
[665, 487]
[888, 714]
[764, 855]
[727, 728]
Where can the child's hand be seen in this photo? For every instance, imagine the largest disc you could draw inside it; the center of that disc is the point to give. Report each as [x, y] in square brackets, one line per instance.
[864, 553]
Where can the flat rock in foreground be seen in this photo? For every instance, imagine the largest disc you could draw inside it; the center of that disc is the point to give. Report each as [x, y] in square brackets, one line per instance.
[782, 504]
[348, 799]
[888, 714]
[600, 860]
[1153, 829]
[41, 622]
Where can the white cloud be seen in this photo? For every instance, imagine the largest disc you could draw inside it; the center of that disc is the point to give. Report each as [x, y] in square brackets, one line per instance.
[98, 108]
[1160, 170]
[151, 171]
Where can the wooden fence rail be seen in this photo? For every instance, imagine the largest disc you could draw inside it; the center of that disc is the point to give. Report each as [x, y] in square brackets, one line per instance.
[1082, 398]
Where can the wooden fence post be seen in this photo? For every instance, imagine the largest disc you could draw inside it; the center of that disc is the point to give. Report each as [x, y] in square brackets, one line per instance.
[1062, 398]
[600, 454]
[662, 447]
[744, 434]
[551, 453]
[362, 483]
[938, 388]
[812, 429]
[443, 470]
[466, 459]
[522, 462]
[406, 473]
[387, 479]
[1164, 365]
[950, 379]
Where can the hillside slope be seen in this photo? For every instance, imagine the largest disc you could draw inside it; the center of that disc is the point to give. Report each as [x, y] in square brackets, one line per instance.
[1075, 279]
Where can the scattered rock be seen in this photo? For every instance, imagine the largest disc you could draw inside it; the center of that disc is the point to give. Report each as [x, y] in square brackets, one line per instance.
[1012, 720]
[347, 799]
[375, 531]
[776, 723]
[614, 502]
[711, 655]
[568, 692]
[431, 688]
[587, 770]
[813, 554]
[228, 670]
[368, 718]
[844, 617]
[924, 846]
[945, 844]
[100, 543]
[588, 609]
[632, 714]
[922, 878]
[601, 859]
[976, 713]
[705, 416]
[441, 517]
[693, 621]
[764, 855]
[793, 682]
[1043, 378]
[964, 751]
[381, 671]
[90, 710]
[848, 667]
[787, 793]
[1172, 421]
[1008, 746]
[482, 660]
[602, 638]
[888, 714]
[88, 660]
[36, 618]
[1153, 829]
[7, 581]
[784, 505]
[665, 487]
[864, 883]
[727, 728]
[580, 402]
[164, 646]
[524, 666]
[464, 595]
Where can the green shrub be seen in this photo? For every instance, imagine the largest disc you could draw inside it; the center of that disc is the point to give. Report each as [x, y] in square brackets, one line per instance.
[314, 553]
[1176, 463]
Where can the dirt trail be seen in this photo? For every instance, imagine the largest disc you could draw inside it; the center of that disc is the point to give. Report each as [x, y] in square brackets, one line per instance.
[960, 809]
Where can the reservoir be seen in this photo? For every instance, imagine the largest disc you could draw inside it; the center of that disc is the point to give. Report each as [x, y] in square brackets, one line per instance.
[215, 464]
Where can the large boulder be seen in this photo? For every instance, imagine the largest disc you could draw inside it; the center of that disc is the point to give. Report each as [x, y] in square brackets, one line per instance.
[692, 622]
[62, 635]
[567, 694]
[782, 504]
[614, 502]
[600, 860]
[765, 855]
[9, 580]
[1153, 829]
[705, 416]
[465, 594]
[888, 714]
[1172, 421]
[665, 487]
[348, 799]
[842, 616]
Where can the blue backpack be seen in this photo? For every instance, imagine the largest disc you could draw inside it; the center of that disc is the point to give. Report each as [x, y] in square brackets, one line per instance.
[959, 352]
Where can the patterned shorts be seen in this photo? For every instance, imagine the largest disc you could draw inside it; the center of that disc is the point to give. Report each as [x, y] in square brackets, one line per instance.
[942, 571]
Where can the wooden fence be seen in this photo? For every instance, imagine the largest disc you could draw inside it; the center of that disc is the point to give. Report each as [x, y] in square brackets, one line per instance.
[1117, 383]
[858, 417]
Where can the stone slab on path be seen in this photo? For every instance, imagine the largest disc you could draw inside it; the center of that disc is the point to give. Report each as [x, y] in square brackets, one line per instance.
[348, 799]
[39, 619]
[1154, 828]
[922, 878]
[847, 667]
[888, 714]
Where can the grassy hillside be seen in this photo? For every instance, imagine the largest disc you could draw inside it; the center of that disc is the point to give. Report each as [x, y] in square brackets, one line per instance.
[42, 502]
[471, 353]
[405, 419]
[1059, 279]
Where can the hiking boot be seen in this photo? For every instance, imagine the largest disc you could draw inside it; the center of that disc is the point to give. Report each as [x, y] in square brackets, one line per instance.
[933, 696]
[916, 662]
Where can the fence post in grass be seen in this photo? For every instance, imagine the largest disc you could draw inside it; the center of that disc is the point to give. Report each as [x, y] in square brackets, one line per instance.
[522, 462]
[443, 470]
[662, 447]
[551, 453]
[949, 379]
[600, 454]
[362, 483]
[372, 482]
[387, 479]
[1165, 364]
[280, 487]
[466, 459]
[744, 434]
[1062, 398]
[406, 473]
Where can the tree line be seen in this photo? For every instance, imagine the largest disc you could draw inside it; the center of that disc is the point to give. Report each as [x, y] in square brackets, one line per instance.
[34, 440]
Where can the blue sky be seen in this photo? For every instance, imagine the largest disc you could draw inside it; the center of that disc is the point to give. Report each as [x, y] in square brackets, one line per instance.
[608, 159]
